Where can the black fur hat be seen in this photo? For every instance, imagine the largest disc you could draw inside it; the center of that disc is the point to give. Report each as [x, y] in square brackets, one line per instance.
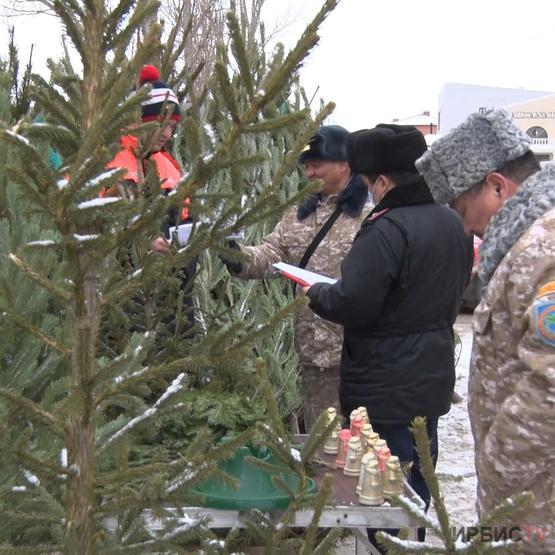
[328, 143]
[385, 149]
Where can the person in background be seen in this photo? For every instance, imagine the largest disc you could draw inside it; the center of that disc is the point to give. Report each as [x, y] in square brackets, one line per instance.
[341, 202]
[485, 170]
[162, 106]
[398, 297]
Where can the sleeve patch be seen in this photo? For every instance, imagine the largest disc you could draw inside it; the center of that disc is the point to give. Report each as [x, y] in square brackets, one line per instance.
[544, 319]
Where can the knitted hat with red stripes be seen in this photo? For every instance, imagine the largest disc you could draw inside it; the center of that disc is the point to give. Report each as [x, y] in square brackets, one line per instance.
[159, 96]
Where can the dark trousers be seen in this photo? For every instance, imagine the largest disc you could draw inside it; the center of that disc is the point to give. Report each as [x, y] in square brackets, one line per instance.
[320, 391]
[401, 443]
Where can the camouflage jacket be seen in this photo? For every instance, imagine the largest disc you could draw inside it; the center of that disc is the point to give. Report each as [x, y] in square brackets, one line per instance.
[512, 379]
[317, 341]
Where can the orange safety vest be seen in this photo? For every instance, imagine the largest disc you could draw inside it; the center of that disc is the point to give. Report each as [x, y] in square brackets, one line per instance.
[167, 167]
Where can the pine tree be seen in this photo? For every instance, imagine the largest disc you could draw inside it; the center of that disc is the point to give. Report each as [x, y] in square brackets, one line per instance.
[74, 479]
[277, 134]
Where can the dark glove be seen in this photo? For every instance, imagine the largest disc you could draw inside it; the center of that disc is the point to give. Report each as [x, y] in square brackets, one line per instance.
[234, 267]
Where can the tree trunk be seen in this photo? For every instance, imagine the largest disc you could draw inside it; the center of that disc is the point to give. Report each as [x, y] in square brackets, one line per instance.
[80, 508]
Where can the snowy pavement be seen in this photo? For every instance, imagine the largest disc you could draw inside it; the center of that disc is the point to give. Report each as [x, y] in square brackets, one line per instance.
[455, 467]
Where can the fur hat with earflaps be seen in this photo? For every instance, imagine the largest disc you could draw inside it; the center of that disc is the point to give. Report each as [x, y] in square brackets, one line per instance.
[160, 96]
[482, 144]
[328, 143]
[387, 148]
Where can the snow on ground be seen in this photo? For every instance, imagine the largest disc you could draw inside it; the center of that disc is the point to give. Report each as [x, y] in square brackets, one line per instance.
[455, 466]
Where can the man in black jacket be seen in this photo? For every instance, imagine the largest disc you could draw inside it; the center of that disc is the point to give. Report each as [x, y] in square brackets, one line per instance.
[400, 290]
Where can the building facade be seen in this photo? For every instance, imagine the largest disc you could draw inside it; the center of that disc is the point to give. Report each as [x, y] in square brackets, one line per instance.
[533, 111]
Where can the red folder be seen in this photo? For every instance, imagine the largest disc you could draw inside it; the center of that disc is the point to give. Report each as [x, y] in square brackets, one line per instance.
[296, 279]
[301, 276]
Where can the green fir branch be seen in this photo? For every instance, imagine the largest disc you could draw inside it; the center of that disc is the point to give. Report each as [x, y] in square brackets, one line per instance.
[54, 103]
[293, 61]
[228, 93]
[418, 429]
[70, 14]
[32, 410]
[310, 541]
[43, 281]
[321, 430]
[174, 48]
[35, 166]
[276, 123]
[508, 507]
[113, 33]
[49, 133]
[240, 54]
[133, 13]
[503, 512]
[40, 201]
[148, 414]
[31, 550]
[37, 332]
[30, 516]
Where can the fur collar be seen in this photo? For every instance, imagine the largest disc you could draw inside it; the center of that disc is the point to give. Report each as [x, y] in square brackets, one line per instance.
[351, 200]
[533, 199]
[411, 194]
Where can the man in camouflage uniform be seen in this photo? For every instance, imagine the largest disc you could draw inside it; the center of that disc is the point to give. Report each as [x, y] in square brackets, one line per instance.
[484, 168]
[317, 341]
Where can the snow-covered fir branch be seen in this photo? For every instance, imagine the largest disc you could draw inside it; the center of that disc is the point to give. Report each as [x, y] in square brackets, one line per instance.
[43, 243]
[81, 238]
[187, 476]
[63, 457]
[31, 478]
[95, 181]
[20, 138]
[418, 512]
[136, 374]
[186, 523]
[174, 387]
[95, 202]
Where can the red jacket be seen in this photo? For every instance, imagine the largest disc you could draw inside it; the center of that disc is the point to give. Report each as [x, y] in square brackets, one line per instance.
[168, 169]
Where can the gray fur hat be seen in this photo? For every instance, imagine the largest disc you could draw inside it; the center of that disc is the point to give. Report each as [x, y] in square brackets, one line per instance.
[482, 144]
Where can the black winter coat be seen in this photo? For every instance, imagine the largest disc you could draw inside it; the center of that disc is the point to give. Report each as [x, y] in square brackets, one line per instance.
[400, 292]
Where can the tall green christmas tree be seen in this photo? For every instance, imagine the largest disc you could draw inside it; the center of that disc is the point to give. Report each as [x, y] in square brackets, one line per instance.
[93, 367]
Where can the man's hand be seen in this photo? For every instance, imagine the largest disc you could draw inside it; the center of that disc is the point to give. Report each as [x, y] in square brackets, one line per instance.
[234, 267]
[160, 245]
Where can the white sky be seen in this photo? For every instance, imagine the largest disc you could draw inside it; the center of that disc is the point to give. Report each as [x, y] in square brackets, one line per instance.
[380, 59]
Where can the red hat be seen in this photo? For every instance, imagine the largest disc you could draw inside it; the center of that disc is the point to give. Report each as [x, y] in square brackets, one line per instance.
[159, 96]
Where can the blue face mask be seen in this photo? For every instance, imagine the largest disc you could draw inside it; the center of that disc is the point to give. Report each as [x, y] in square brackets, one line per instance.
[372, 194]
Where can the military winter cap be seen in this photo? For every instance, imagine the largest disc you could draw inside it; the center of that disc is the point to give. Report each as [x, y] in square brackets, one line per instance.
[385, 149]
[328, 143]
[482, 144]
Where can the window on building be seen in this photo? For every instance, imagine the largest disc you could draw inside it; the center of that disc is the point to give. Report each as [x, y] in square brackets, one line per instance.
[537, 132]
[543, 158]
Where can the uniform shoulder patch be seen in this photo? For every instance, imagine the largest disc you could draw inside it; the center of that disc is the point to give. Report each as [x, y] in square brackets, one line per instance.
[544, 314]
[378, 214]
[373, 217]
